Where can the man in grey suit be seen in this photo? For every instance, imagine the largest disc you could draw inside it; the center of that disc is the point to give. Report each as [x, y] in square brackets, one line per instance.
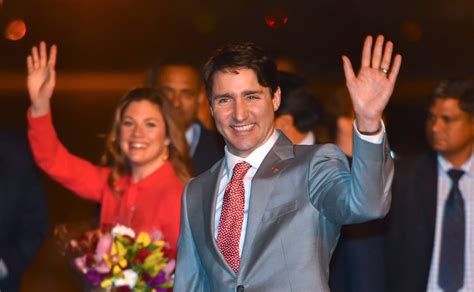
[267, 216]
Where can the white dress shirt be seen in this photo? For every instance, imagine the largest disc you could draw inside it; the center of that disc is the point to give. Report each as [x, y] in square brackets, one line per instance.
[255, 159]
[466, 186]
[309, 139]
[192, 135]
[3, 270]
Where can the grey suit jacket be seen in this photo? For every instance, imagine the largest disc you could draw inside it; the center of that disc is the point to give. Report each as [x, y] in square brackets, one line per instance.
[300, 197]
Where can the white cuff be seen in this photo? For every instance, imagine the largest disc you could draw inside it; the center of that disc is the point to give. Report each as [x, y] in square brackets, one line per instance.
[3, 270]
[374, 139]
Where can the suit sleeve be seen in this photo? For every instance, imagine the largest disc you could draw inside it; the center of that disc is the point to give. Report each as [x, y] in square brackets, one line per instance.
[352, 195]
[74, 173]
[190, 274]
[30, 228]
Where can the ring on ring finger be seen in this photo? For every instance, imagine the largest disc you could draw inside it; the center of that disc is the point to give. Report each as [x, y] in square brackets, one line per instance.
[384, 71]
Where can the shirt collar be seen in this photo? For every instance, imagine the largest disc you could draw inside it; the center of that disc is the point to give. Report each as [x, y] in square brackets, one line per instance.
[192, 137]
[255, 158]
[309, 139]
[468, 166]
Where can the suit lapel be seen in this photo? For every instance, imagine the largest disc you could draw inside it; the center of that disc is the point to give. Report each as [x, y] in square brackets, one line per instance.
[422, 203]
[263, 184]
[427, 187]
[4, 195]
[209, 203]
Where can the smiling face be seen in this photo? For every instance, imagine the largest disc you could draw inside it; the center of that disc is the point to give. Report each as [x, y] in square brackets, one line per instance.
[143, 136]
[243, 110]
[450, 130]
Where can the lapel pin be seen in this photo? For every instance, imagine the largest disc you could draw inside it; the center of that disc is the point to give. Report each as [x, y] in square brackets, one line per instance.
[275, 169]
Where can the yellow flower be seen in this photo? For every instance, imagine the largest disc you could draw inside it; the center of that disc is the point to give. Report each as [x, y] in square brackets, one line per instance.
[116, 270]
[160, 243]
[113, 250]
[121, 249]
[107, 260]
[144, 239]
[106, 283]
[123, 262]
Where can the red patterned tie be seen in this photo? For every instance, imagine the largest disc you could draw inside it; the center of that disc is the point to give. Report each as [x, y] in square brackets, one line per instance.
[232, 216]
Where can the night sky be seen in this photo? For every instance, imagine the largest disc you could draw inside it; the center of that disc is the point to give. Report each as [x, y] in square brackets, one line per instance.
[436, 37]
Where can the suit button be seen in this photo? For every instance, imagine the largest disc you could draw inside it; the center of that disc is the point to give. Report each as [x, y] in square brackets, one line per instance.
[240, 288]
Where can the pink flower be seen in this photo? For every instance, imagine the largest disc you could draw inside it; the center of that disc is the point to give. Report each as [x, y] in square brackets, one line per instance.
[169, 268]
[103, 248]
[156, 235]
[80, 263]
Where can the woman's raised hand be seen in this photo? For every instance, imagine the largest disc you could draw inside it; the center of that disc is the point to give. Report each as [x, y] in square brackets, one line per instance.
[41, 78]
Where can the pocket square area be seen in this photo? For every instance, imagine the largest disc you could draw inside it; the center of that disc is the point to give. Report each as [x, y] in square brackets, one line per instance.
[280, 210]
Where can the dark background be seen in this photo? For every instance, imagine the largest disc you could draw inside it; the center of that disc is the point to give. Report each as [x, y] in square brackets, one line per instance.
[105, 46]
[436, 36]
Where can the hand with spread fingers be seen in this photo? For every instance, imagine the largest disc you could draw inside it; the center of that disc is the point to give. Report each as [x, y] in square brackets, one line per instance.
[371, 89]
[41, 78]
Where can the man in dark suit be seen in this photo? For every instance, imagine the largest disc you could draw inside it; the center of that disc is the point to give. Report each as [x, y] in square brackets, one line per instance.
[267, 216]
[23, 212]
[425, 251]
[180, 82]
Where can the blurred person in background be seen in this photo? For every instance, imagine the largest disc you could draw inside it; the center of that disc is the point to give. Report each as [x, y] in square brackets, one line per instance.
[299, 112]
[180, 82]
[204, 114]
[338, 119]
[23, 210]
[431, 238]
[146, 158]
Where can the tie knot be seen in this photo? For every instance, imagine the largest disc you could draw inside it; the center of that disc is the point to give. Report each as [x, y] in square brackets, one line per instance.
[455, 175]
[240, 169]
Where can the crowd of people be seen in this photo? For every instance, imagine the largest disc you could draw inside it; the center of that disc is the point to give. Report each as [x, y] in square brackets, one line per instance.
[233, 167]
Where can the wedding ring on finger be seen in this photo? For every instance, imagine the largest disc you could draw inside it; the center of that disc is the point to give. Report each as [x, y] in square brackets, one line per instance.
[384, 71]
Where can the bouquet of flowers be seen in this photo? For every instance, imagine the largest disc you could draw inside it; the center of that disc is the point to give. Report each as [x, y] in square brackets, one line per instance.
[123, 261]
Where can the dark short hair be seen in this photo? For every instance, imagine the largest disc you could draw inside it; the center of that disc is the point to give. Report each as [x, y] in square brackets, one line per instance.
[232, 57]
[297, 101]
[152, 74]
[459, 89]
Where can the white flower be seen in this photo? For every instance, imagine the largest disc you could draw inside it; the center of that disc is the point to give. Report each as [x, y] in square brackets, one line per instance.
[129, 279]
[123, 230]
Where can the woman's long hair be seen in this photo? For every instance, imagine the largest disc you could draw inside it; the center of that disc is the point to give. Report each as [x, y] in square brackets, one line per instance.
[178, 149]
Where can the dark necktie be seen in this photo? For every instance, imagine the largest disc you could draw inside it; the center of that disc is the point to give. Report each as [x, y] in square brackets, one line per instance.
[451, 264]
[232, 216]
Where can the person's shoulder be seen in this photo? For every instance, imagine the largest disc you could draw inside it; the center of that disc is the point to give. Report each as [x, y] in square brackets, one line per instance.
[12, 139]
[320, 156]
[405, 164]
[13, 145]
[206, 132]
[207, 175]
[15, 156]
[319, 150]
[211, 137]
[409, 169]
